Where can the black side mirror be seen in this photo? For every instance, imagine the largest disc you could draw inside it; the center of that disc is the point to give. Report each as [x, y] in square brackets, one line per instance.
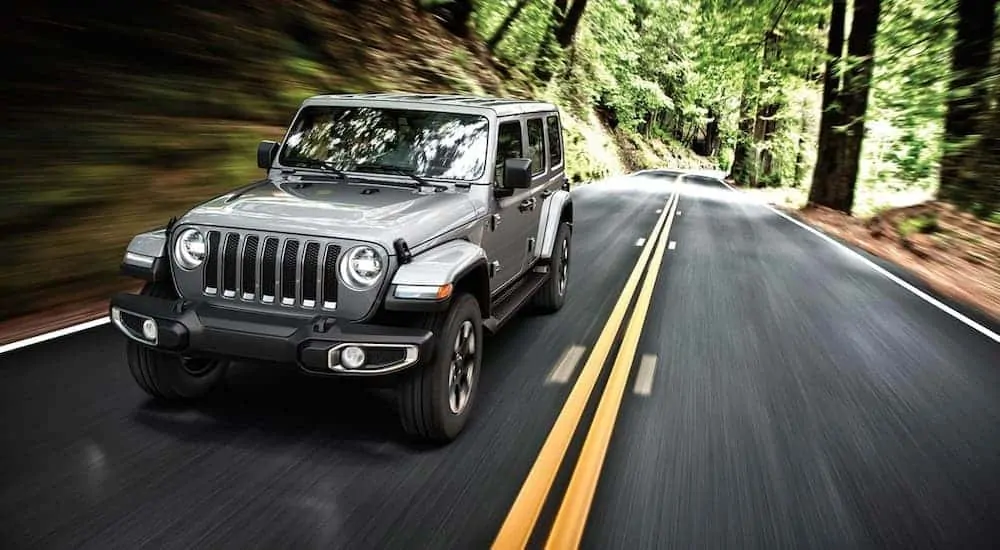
[517, 173]
[266, 152]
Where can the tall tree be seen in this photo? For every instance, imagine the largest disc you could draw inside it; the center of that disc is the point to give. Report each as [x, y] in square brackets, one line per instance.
[741, 156]
[830, 115]
[455, 15]
[767, 111]
[987, 197]
[835, 189]
[968, 101]
[505, 25]
[565, 34]
[545, 59]
[560, 36]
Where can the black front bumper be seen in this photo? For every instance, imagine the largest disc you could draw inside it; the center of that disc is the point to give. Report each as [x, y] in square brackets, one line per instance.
[202, 329]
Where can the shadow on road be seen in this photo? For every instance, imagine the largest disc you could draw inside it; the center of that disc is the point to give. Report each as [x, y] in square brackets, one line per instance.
[284, 407]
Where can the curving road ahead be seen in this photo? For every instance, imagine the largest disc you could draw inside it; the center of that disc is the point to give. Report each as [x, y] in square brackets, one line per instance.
[766, 388]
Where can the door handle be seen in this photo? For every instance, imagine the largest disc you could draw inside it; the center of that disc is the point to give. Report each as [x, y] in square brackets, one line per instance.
[527, 204]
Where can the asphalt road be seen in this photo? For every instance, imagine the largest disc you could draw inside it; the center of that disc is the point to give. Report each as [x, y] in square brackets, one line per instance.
[784, 395]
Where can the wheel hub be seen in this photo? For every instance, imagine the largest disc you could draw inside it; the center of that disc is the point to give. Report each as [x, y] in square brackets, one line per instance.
[461, 375]
[564, 267]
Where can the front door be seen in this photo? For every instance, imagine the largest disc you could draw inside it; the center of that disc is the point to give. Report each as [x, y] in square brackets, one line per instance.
[505, 239]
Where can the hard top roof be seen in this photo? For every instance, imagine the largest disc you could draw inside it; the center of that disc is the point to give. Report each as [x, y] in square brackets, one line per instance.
[501, 106]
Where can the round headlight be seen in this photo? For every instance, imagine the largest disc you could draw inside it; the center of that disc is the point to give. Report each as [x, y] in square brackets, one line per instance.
[189, 250]
[361, 268]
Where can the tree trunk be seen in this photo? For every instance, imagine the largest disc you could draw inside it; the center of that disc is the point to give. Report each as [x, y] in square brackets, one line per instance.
[741, 156]
[831, 115]
[712, 133]
[837, 188]
[968, 101]
[506, 24]
[679, 129]
[547, 51]
[766, 123]
[766, 126]
[566, 33]
[800, 167]
[564, 26]
[987, 198]
[455, 15]
[692, 135]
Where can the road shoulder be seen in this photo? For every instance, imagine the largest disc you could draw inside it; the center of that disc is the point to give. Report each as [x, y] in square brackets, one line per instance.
[959, 287]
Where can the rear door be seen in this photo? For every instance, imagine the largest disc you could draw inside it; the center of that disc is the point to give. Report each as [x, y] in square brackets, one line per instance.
[531, 207]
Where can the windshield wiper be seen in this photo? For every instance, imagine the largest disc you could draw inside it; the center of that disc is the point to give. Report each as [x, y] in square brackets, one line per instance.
[401, 172]
[315, 164]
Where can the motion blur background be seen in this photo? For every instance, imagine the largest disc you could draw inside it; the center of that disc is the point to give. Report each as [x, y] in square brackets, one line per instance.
[119, 115]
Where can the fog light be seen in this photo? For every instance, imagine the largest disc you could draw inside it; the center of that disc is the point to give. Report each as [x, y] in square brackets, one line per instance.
[149, 330]
[352, 357]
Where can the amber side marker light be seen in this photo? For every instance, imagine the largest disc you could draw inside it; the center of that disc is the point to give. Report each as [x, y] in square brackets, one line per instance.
[424, 292]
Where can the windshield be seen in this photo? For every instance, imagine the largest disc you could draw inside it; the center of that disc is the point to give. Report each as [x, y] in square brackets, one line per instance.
[375, 140]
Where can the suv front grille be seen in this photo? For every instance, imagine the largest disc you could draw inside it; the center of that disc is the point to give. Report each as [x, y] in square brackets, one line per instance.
[271, 268]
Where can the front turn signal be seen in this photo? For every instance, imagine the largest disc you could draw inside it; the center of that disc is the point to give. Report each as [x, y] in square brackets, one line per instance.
[424, 292]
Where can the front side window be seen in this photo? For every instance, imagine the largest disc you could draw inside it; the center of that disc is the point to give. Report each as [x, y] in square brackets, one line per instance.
[536, 146]
[509, 146]
[555, 140]
[376, 140]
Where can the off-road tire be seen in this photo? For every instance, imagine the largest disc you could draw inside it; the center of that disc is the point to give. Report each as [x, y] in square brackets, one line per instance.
[425, 391]
[552, 295]
[167, 376]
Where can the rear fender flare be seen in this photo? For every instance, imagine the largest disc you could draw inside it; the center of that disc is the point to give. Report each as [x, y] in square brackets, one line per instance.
[556, 209]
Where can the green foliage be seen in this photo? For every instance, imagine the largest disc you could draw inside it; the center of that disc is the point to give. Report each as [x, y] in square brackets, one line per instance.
[924, 223]
[906, 115]
[913, 156]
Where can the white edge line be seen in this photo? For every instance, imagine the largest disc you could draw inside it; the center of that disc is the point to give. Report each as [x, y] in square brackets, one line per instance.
[881, 270]
[672, 245]
[641, 241]
[54, 334]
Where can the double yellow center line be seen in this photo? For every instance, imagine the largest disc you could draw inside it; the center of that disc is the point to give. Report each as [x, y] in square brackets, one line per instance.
[567, 530]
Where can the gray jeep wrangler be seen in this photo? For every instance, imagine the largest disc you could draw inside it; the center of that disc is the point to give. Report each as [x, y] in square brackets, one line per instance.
[389, 231]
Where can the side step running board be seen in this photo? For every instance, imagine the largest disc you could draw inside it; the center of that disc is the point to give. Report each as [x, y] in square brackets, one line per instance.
[510, 302]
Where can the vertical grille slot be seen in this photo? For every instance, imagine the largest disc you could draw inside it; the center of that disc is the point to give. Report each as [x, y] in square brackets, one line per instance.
[330, 283]
[212, 264]
[289, 271]
[229, 260]
[248, 280]
[310, 272]
[268, 268]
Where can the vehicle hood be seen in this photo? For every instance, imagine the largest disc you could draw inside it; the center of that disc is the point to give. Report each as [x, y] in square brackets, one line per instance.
[376, 213]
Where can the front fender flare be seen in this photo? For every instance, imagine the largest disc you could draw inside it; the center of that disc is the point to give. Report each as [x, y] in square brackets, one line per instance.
[146, 257]
[556, 208]
[441, 265]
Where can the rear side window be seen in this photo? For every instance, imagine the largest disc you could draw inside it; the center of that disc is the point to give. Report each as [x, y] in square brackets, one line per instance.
[536, 145]
[555, 140]
[509, 146]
